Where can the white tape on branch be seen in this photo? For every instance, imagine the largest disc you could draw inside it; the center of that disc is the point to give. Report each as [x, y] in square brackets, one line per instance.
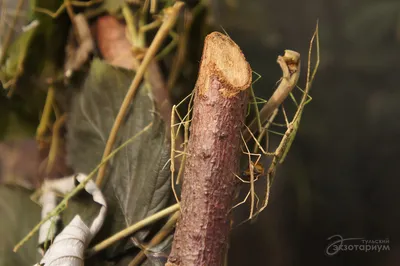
[69, 246]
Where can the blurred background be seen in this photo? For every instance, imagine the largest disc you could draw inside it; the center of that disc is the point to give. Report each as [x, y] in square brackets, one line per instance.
[341, 176]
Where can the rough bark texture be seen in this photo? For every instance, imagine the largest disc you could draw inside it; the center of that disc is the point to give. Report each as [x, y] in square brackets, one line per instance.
[220, 102]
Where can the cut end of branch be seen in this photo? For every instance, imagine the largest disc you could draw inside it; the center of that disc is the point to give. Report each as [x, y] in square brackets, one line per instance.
[222, 59]
[292, 59]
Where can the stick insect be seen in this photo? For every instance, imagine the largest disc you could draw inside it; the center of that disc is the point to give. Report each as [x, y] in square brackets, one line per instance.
[67, 5]
[288, 137]
[184, 121]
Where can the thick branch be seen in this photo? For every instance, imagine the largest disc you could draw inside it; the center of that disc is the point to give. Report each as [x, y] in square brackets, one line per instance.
[213, 154]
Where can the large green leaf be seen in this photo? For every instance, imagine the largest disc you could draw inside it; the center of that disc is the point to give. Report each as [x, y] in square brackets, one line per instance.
[137, 184]
[93, 113]
[18, 216]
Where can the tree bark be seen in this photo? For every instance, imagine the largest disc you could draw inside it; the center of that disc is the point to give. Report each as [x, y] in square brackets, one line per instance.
[209, 185]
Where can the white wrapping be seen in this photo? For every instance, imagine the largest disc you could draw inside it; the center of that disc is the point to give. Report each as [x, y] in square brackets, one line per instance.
[69, 246]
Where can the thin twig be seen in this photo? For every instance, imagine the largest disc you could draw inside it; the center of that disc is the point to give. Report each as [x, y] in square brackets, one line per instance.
[265, 130]
[172, 167]
[131, 229]
[153, 6]
[55, 142]
[160, 236]
[253, 96]
[129, 17]
[185, 120]
[45, 119]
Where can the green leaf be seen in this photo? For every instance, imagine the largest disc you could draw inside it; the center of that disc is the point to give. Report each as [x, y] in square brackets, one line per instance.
[15, 14]
[137, 184]
[37, 53]
[12, 67]
[93, 113]
[18, 215]
[84, 206]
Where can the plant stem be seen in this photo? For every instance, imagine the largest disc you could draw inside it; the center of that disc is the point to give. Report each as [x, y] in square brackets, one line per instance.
[46, 115]
[131, 229]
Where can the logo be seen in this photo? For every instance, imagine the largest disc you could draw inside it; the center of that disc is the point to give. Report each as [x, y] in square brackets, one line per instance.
[338, 243]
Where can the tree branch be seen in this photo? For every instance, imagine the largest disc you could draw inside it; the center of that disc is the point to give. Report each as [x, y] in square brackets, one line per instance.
[213, 154]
